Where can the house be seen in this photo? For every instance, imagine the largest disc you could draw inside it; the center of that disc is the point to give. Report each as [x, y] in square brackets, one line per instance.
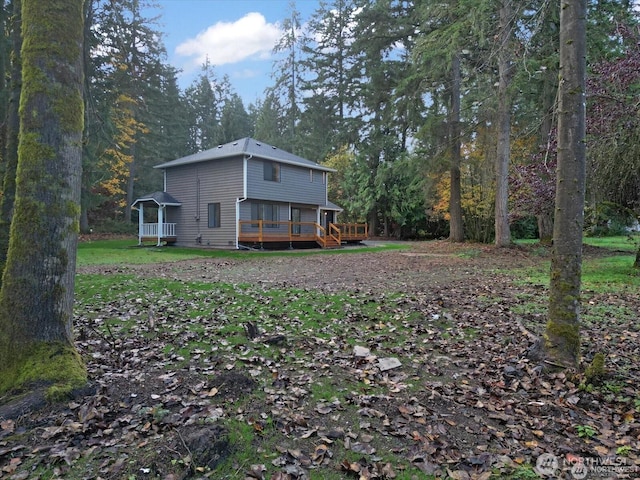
[243, 194]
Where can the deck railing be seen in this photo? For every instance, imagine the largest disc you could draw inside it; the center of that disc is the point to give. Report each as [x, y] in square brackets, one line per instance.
[150, 230]
[274, 231]
[334, 235]
[260, 231]
[353, 231]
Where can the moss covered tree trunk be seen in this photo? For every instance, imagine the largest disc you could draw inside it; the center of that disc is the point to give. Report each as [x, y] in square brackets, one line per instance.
[10, 133]
[562, 336]
[545, 228]
[503, 154]
[36, 299]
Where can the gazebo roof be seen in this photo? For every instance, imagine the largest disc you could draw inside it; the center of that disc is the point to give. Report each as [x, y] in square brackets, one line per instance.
[161, 199]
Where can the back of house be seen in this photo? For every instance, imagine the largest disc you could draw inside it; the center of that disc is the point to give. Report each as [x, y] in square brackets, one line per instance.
[246, 193]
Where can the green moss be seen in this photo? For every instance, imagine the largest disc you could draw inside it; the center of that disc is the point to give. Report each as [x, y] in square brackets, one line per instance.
[55, 365]
[595, 371]
[568, 332]
[50, 68]
[562, 342]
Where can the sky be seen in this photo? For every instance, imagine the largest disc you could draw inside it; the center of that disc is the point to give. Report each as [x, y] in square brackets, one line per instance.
[236, 36]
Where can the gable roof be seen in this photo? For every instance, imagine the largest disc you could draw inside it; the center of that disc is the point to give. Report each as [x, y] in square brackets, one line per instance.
[248, 147]
[159, 198]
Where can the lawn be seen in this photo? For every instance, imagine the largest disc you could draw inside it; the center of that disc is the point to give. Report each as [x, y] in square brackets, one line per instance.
[128, 252]
[377, 362]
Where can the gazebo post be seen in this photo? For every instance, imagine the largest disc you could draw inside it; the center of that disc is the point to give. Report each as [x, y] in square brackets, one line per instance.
[160, 224]
[140, 223]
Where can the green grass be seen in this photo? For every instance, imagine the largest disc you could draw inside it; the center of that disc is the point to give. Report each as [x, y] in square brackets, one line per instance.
[611, 274]
[599, 274]
[602, 274]
[127, 252]
[620, 243]
[208, 318]
[626, 243]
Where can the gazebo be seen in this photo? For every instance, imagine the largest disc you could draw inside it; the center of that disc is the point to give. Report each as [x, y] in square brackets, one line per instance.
[160, 231]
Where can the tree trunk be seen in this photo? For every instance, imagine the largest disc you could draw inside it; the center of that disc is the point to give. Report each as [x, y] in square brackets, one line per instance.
[5, 68]
[36, 299]
[503, 234]
[130, 183]
[636, 264]
[373, 221]
[456, 226]
[562, 335]
[11, 131]
[545, 228]
[84, 220]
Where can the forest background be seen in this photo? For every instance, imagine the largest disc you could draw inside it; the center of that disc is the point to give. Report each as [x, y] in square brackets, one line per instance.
[417, 105]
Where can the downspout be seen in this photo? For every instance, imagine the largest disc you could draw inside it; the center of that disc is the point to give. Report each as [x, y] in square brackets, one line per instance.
[197, 215]
[239, 200]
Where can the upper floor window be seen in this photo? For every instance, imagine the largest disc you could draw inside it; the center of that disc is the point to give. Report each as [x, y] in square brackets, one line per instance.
[271, 171]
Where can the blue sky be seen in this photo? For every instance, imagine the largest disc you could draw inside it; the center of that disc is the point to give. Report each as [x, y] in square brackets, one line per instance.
[237, 36]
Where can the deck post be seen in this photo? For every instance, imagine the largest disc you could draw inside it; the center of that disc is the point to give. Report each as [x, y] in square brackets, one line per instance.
[160, 225]
[140, 223]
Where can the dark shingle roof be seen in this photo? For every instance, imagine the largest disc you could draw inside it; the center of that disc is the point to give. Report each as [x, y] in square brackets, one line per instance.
[333, 206]
[245, 147]
[160, 198]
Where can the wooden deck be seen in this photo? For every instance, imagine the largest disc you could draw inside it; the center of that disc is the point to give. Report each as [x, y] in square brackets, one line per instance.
[266, 231]
[260, 232]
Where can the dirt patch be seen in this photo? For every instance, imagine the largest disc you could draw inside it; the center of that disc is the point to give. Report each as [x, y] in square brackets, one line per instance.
[425, 264]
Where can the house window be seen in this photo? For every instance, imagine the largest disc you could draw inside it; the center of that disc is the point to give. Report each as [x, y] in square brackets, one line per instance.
[272, 171]
[311, 175]
[213, 210]
[265, 211]
[324, 178]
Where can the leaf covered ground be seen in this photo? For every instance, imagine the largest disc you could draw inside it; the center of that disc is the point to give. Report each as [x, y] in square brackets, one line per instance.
[403, 364]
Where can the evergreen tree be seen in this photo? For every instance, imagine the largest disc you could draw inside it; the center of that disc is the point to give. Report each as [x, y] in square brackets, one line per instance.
[36, 343]
[379, 31]
[449, 49]
[5, 66]
[203, 111]
[269, 121]
[287, 80]
[328, 119]
[10, 86]
[507, 24]
[235, 121]
[129, 55]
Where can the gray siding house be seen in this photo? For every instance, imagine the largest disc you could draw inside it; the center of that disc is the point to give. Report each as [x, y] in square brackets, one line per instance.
[243, 194]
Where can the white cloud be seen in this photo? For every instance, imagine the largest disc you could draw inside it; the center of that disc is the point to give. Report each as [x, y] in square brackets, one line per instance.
[226, 42]
[246, 73]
